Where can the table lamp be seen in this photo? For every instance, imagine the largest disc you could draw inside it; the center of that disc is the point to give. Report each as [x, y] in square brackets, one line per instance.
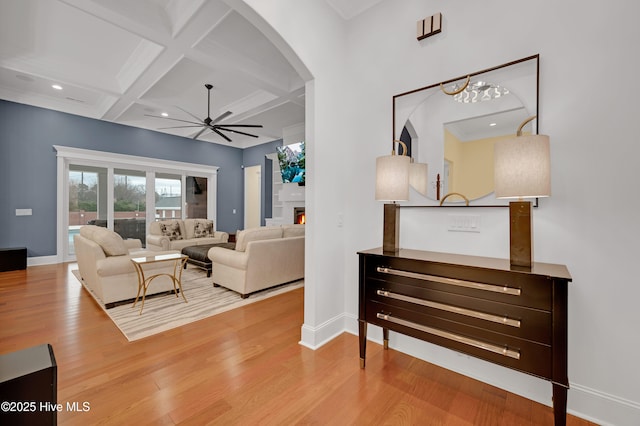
[392, 184]
[522, 170]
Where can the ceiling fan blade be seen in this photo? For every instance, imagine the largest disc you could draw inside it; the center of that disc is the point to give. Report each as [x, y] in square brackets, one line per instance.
[220, 133]
[239, 125]
[174, 119]
[221, 117]
[208, 123]
[236, 131]
[200, 132]
[179, 127]
[187, 112]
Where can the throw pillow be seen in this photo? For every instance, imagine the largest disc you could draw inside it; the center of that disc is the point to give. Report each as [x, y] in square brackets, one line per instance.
[112, 243]
[171, 230]
[203, 229]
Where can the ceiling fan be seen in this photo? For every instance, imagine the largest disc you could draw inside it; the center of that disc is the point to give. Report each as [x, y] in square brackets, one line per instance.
[208, 123]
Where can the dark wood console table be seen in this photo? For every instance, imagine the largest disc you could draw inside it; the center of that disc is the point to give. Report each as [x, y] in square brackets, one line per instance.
[475, 305]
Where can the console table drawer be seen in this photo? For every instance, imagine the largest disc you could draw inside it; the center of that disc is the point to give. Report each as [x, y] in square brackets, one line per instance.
[523, 290]
[518, 354]
[513, 320]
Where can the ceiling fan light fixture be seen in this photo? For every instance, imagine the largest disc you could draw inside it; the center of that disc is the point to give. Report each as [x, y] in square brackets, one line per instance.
[207, 123]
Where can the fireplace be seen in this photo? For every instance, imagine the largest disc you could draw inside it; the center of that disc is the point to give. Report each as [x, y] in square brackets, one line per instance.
[298, 215]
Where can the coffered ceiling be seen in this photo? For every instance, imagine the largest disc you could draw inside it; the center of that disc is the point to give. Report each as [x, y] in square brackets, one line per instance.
[120, 60]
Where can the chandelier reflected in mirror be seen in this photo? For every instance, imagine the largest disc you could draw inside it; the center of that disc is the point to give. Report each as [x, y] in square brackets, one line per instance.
[480, 91]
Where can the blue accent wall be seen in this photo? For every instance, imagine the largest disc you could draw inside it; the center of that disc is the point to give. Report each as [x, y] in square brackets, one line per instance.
[28, 168]
[255, 156]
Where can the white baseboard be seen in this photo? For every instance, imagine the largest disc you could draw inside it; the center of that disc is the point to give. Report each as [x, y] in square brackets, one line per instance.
[602, 408]
[315, 337]
[42, 260]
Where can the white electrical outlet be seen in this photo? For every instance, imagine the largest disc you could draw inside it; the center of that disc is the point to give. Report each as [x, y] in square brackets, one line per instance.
[464, 223]
[24, 212]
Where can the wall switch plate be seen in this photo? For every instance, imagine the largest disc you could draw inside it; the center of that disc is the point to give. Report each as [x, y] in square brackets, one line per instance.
[24, 212]
[464, 223]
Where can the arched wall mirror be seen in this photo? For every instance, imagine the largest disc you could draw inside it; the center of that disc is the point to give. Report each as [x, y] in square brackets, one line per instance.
[454, 134]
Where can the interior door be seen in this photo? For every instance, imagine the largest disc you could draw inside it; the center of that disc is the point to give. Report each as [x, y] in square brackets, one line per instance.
[252, 193]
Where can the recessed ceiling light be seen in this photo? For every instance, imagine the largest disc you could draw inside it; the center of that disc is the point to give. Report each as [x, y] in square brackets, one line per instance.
[164, 114]
[493, 124]
[56, 86]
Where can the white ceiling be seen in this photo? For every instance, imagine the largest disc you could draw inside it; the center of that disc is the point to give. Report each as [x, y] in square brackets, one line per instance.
[118, 60]
[351, 8]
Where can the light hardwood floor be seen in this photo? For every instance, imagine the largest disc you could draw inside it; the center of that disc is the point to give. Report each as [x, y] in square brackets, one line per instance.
[242, 367]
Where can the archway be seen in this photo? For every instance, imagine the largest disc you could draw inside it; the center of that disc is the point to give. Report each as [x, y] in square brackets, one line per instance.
[249, 13]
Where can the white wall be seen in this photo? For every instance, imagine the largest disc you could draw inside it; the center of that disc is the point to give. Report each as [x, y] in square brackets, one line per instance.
[314, 35]
[588, 63]
[293, 134]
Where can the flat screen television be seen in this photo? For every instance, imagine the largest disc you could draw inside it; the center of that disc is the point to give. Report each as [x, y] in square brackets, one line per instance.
[291, 159]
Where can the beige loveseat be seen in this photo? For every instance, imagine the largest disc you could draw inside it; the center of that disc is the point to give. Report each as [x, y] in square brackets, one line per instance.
[177, 234]
[264, 257]
[105, 267]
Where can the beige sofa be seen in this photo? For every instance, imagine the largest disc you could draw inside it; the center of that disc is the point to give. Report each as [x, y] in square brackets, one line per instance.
[104, 263]
[177, 234]
[264, 257]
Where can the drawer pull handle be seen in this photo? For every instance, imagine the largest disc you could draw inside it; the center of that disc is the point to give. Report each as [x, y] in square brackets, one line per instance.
[501, 350]
[449, 308]
[461, 283]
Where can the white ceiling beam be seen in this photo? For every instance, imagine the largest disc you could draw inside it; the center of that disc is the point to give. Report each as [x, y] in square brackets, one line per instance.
[201, 24]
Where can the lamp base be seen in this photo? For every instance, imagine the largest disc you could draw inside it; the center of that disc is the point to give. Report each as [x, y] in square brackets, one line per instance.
[520, 225]
[391, 229]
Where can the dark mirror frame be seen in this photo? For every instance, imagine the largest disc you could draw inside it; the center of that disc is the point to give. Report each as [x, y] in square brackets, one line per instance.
[533, 126]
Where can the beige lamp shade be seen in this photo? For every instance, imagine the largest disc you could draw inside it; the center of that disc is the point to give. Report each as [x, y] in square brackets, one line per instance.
[392, 178]
[522, 167]
[418, 177]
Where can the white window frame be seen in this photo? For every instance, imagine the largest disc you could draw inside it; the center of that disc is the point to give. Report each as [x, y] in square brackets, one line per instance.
[110, 161]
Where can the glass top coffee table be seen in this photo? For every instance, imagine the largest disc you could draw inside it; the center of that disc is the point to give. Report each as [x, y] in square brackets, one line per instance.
[178, 260]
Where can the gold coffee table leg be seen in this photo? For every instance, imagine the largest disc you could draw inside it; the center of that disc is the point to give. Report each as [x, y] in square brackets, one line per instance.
[141, 285]
[145, 282]
[177, 276]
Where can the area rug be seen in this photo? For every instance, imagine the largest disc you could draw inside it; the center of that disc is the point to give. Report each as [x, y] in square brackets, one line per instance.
[165, 312]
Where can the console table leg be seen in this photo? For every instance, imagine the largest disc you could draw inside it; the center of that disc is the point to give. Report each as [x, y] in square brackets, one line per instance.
[559, 405]
[362, 335]
[385, 338]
